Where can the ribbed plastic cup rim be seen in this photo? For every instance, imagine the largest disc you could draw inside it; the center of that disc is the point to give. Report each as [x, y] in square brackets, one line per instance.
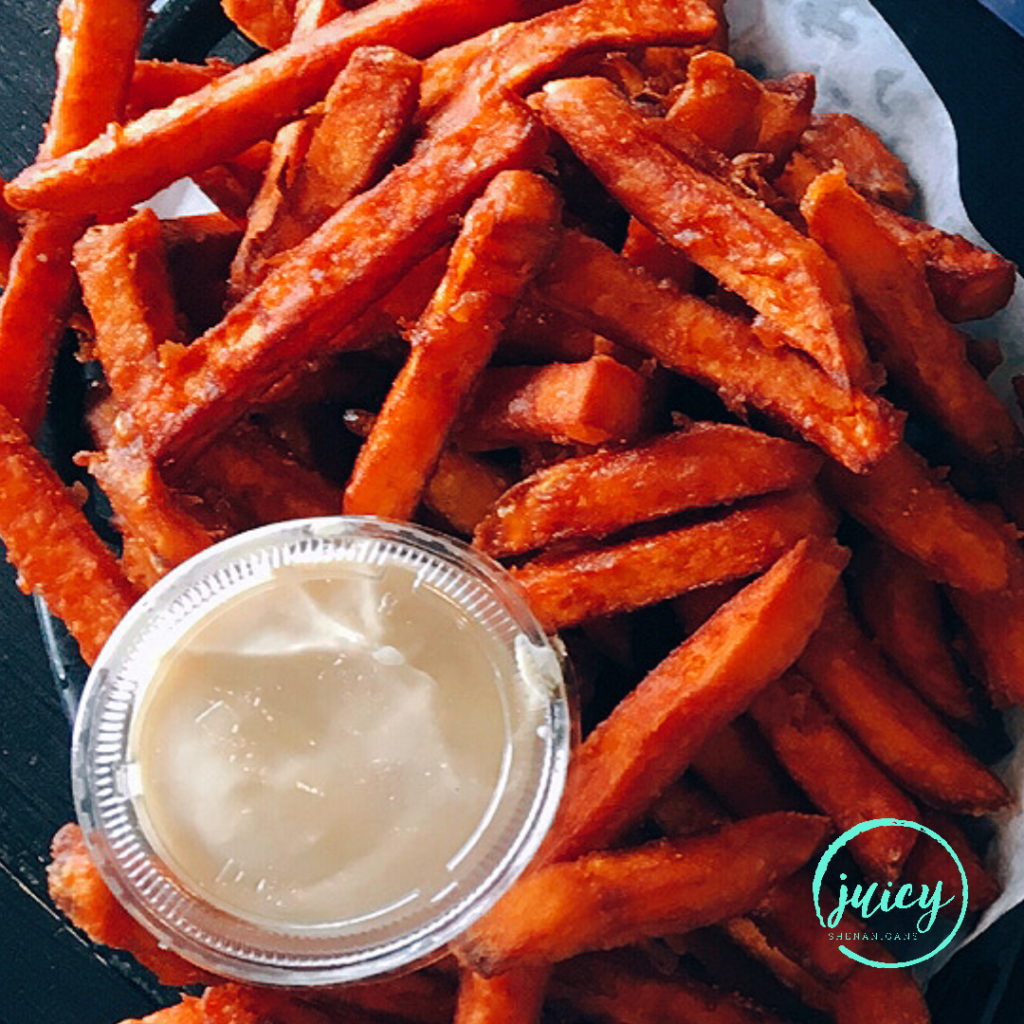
[236, 947]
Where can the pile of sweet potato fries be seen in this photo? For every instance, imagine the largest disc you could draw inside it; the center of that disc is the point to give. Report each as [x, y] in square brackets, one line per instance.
[564, 278]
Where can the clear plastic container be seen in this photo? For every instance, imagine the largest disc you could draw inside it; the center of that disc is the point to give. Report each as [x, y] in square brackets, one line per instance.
[111, 806]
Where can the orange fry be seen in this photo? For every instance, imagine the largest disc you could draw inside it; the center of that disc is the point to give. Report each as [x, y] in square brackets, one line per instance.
[643, 248]
[37, 299]
[270, 22]
[188, 1011]
[783, 275]
[710, 678]
[508, 234]
[321, 162]
[565, 589]
[147, 511]
[823, 758]
[684, 333]
[915, 343]
[10, 235]
[906, 503]
[126, 288]
[521, 59]
[515, 997]
[608, 988]
[892, 722]
[79, 891]
[158, 83]
[331, 278]
[605, 900]
[594, 495]
[995, 621]
[595, 402]
[249, 104]
[901, 608]
[57, 553]
[463, 489]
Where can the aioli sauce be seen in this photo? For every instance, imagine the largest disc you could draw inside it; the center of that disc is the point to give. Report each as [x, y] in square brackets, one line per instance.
[323, 748]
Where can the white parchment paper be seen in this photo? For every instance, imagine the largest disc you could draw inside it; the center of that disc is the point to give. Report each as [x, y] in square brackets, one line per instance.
[862, 68]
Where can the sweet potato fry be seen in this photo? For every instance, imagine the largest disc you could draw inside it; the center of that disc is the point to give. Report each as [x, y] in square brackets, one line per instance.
[146, 509]
[331, 278]
[784, 276]
[643, 248]
[564, 589]
[126, 288]
[687, 335]
[321, 162]
[905, 502]
[249, 104]
[595, 402]
[739, 769]
[79, 891]
[603, 900]
[515, 997]
[710, 678]
[785, 113]
[463, 489]
[901, 609]
[594, 495]
[266, 22]
[995, 621]
[823, 758]
[10, 235]
[871, 167]
[892, 722]
[685, 809]
[508, 235]
[37, 298]
[909, 336]
[520, 60]
[55, 550]
[188, 1011]
[540, 334]
[158, 83]
[610, 989]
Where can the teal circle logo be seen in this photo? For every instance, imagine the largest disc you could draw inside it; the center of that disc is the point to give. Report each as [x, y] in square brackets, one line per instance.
[931, 905]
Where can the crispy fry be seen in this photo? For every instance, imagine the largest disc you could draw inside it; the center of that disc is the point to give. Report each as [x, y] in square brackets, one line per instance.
[515, 997]
[643, 248]
[241, 1004]
[610, 989]
[355, 258]
[147, 510]
[710, 678]
[823, 758]
[232, 186]
[900, 606]
[266, 22]
[247, 105]
[126, 288]
[604, 900]
[871, 168]
[79, 891]
[595, 402]
[909, 505]
[739, 769]
[507, 236]
[892, 722]
[914, 342]
[39, 291]
[540, 334]
[55, 550]
[188, 1011]
[685, 809]
[995, 621]
[593, 284]
[463, 489]
[564, 589]
[594, 495]
[10, 235]
[785, 114]
[158, 83]
[321, 162]
[756, 254]
[520, 60]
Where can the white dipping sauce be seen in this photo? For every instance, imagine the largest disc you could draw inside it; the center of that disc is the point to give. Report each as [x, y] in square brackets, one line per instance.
[322, 748]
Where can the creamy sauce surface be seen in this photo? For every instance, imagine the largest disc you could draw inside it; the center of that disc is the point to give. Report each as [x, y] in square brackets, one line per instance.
[324, 747]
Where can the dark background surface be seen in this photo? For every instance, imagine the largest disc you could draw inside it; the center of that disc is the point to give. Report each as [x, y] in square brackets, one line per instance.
[51, 975]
